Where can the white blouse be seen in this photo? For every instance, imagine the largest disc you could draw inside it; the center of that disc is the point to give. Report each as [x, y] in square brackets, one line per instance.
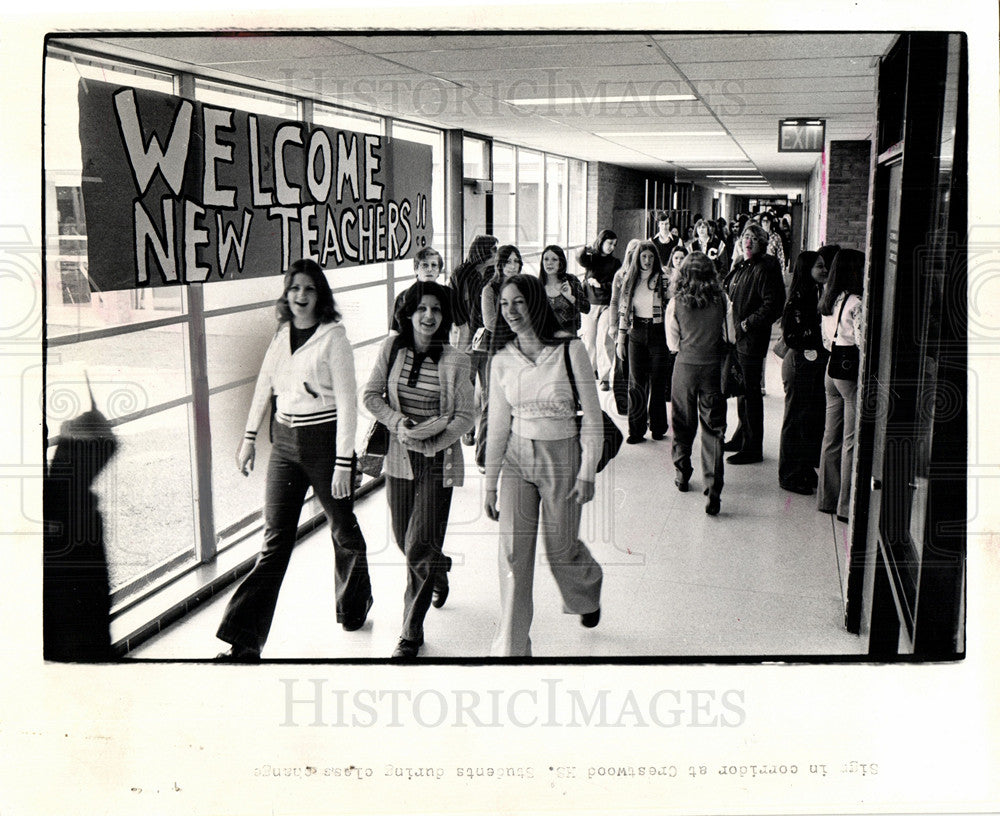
[851, 329]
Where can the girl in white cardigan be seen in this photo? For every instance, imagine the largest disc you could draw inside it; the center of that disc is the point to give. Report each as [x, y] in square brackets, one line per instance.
[309, 371]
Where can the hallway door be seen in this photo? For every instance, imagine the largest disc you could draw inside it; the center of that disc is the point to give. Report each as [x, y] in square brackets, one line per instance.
[907, 568]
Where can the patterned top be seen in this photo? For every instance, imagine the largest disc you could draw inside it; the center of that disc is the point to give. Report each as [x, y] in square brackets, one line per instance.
[851, 328]
[419, 396]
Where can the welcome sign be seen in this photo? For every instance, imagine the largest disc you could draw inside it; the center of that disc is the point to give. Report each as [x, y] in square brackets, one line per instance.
[177, 191]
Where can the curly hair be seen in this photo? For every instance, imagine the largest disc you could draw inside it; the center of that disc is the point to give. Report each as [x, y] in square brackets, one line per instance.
[697, 283]
[411, 300]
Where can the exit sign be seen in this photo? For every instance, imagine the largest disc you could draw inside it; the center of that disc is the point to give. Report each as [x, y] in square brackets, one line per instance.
[801, 135]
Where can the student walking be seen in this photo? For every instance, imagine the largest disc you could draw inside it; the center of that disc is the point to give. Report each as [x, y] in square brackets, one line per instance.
[547, 465]
[309, 370]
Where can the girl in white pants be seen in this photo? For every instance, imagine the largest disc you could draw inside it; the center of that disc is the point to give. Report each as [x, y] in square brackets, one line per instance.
[548, 465]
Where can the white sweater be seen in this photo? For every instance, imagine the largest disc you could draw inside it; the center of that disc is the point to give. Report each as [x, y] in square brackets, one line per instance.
[315, 384]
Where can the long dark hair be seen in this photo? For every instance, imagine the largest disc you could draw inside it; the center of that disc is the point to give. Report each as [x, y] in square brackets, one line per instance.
[326, 309]
[543, 319]
[828, 252]
[845, 277]
[556, 250]
[697, 283]
[802, 279]
[480, 249]
[411, 300]
[503, 255]
[603, 236]
[632, 271]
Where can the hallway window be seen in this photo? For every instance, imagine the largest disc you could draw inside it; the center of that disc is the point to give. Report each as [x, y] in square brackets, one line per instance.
[504, 194]
[530, 205]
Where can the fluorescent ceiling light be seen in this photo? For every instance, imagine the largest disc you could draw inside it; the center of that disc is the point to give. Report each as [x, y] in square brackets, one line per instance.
[583, 98]
[754, 176]
[641, 133]
[718, 168]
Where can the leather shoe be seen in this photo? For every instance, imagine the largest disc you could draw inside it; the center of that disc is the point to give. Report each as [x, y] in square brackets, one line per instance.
[731, 446]
[440, 593]
[591, 619]
[238, 654]
[658, 436]
[635, 440]
[407, 648]
[682, 482]
[797, 487]
[354, 623]
[714, 505]
[745, 458]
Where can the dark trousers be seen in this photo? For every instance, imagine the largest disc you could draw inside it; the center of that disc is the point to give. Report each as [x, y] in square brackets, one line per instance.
[419, 508]
[620, 384]
[481, 364]
[696, 398]
[300, 458]
[805, 413]
[648, 377]
[750, 407]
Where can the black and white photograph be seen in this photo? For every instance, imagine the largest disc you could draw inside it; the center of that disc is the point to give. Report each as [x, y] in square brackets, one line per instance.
[389, 386]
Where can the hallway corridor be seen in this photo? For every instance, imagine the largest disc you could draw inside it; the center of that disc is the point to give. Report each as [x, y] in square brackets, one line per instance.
[764, 579]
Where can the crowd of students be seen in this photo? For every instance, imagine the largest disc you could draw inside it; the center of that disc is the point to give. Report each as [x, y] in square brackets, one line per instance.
[511, 363]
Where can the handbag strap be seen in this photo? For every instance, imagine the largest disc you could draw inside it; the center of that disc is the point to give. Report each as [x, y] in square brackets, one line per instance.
[840, 315]
[569, 373]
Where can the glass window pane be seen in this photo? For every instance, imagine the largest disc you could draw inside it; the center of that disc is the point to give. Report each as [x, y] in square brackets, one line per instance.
[252, 101]
[530, 181]
[146, 495]
[475, 159]
[555, 200]
[504, 194]
[346, 120]
[236, 344]
[128, 373]
[577, 203]
[235, 496]
[365, 313]
[225, 293]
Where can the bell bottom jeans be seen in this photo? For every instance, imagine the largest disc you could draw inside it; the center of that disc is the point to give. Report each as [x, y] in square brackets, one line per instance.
[301, 457]
[419, 509]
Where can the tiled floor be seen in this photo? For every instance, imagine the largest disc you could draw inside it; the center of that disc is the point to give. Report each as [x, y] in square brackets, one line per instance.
[764, 578]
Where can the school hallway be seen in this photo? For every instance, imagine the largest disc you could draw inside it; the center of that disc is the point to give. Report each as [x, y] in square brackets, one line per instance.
[764, 579]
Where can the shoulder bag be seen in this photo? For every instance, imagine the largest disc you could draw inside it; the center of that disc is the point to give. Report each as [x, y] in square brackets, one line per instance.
[373, 451]
[844, 360]
[612, 437]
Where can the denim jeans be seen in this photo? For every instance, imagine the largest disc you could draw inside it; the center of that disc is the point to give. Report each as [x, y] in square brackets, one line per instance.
[300, 457]
[650, 366]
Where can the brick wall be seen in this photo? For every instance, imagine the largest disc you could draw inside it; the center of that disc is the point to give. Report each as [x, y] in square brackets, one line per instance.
[610, 188]
[847, 194]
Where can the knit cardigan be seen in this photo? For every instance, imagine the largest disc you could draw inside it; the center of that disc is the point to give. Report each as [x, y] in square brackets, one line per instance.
[315, 384]
[381, 399]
